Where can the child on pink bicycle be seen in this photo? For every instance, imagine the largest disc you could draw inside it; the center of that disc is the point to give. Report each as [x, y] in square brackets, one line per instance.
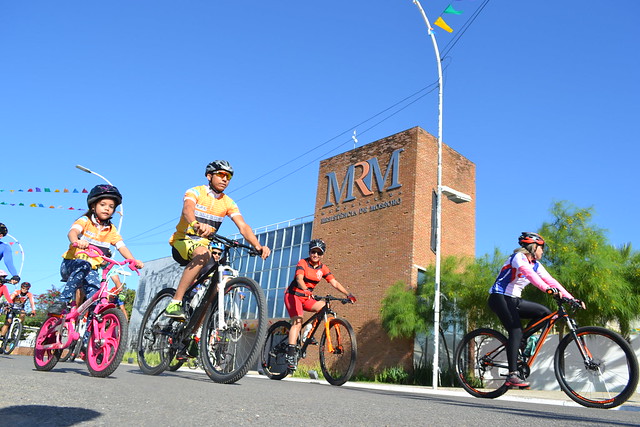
[93, 228]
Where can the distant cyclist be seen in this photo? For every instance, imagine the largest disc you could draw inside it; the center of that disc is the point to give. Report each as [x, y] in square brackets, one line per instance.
[520, 269]
[204, 208]
[6, 256]
[297, 297]
[19, 300]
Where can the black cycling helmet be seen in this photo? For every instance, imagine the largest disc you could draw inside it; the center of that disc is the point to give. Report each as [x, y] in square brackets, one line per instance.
[3, 229]
[526, 238]
[104, 191]
[317, 244]
[26, 285]
[218, 165]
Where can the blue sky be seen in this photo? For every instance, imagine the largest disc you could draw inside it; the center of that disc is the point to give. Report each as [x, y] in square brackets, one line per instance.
[541, 96]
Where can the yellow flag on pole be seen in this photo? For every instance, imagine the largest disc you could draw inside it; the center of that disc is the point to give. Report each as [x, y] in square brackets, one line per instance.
[440, 23]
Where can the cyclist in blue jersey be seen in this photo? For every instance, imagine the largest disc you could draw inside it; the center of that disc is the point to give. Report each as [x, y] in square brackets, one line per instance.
[6, 256]
[520, 269]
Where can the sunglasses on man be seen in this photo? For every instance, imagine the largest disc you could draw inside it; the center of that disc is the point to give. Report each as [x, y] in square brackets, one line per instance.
[223, 174]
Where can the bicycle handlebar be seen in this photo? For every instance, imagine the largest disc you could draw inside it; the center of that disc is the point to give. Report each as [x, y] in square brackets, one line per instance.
[328, 298]
[233, 244]
[574, 303]
[95, 252]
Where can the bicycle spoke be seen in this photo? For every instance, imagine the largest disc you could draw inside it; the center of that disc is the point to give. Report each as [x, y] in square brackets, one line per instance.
[481, 363]
[602, 372]
[338, 352]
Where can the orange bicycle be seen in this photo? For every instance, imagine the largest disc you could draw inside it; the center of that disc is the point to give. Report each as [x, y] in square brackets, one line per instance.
[337, 347]
[594, 366]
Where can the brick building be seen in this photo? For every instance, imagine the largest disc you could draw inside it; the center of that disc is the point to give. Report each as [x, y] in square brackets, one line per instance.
[374, 209]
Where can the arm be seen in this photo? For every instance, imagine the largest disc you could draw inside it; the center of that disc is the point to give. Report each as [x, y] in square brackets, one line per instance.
[7, 257]
[333, 282]
[125, 252]
[247, 233]
[74, 238]
[33, 306]
[542, 280]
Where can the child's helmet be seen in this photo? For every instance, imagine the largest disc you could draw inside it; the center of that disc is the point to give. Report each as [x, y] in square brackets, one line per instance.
[26, 285]
[104, 191]
[217, 245]
[3, 273]
[3, 229]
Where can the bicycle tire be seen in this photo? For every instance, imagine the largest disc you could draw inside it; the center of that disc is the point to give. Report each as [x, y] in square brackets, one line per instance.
[481, 363]
[46, 359]
[338, 365]
[228, 354]
[155, 335]
[175, 365]
[274, 351]
[599, 384]
[106, 344]
[12, 337]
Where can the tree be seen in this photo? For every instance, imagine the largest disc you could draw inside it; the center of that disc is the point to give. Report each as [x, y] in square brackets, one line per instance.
[606, 278]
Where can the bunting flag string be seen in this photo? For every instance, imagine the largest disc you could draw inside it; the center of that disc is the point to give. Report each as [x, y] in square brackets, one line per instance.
[40, 205]
[441, 23]
[45, 190]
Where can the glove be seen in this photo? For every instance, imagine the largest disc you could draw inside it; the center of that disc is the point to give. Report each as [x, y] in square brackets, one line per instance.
[308, 293]
[576, 303]
[352, 298]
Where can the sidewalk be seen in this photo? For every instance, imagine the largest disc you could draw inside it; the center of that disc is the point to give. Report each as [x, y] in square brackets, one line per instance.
[548, 397]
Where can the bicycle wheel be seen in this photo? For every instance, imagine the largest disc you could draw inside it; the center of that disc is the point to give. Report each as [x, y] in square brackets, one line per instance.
[481, 363]
[338, 352]
[65, 354]
[12, 337]
[610, 375]
[107, 342]
[229, 350]
[156, 334]
[49, 333]
[274, 351]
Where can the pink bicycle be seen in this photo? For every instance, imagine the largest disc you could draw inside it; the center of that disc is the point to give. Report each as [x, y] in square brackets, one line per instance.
[106, 331]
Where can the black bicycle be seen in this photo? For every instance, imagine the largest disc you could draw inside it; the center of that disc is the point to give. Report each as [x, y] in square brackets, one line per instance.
[224, 312]
[594, 366]
[338, 348]
[12, 337]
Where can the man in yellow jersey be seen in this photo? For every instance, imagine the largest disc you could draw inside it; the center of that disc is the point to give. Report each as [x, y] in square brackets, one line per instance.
[204, 209]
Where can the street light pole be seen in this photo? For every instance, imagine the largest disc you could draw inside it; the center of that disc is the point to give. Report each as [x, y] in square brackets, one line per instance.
[87, 170]
[436, 302]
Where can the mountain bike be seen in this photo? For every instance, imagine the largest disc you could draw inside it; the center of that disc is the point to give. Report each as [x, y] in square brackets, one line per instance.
[230, 310]
[594, 366]
[106, 331]
[12, 337]
[337, 347]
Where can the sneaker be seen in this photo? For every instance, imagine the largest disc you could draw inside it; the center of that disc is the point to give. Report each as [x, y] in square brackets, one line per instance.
[57, 308]
[175, 311]
[513, 381]
[291, 362]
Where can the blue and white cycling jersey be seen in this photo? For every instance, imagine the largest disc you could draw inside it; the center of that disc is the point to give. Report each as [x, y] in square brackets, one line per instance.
[517, 272]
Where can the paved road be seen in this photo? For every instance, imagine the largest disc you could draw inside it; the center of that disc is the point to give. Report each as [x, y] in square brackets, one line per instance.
[69, 396]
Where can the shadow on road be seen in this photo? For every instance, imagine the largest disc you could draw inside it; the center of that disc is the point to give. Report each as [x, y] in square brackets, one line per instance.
[42, 415]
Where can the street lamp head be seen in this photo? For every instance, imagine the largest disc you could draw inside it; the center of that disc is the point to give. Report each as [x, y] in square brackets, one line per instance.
[455, 195]
[82, 168]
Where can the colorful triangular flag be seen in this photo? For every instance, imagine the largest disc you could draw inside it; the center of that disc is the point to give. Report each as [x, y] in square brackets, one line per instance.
[440, 23]
[450, 9]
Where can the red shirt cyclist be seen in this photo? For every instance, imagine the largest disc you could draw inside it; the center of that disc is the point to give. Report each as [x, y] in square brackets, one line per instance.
[297, 297]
